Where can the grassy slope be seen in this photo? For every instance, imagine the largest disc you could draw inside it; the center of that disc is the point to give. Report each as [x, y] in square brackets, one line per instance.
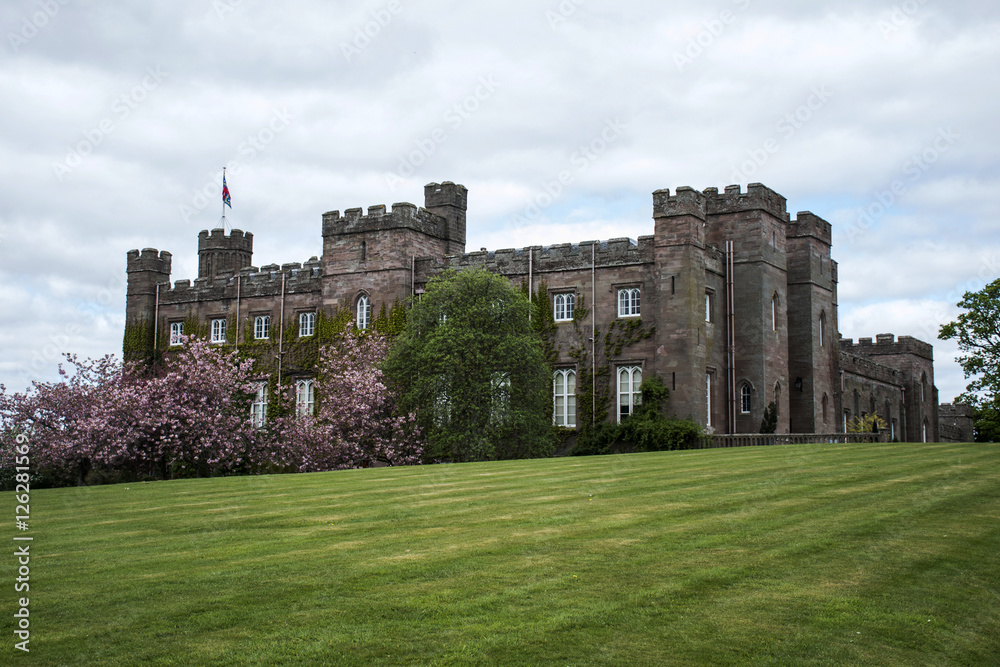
[832, 554]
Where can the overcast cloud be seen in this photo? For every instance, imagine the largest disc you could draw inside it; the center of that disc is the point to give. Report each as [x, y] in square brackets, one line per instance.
[116, 119]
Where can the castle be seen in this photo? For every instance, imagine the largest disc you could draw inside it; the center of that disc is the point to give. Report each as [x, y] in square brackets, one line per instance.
[738, 302]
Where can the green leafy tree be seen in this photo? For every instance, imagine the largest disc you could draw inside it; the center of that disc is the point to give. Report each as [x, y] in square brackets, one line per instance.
[645, 430]
[471, 367]
[977, 332]
[769, 424]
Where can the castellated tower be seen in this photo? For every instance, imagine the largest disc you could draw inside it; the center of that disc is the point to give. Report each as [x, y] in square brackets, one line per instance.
[813, 348]
[373, 255]
[218, 253]
[450, 201]
[145, 271]
[755, 222]
[677, 298]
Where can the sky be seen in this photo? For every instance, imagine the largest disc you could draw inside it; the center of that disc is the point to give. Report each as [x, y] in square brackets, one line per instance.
[117, 118]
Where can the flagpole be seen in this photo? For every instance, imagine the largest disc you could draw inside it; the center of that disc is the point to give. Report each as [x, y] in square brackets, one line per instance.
[224, 200]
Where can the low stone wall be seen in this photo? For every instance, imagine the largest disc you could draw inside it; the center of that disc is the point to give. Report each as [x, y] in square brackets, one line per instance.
[760, 439]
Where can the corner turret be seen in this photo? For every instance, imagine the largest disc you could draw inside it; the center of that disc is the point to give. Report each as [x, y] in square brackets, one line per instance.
[450, 201]
[218, 253]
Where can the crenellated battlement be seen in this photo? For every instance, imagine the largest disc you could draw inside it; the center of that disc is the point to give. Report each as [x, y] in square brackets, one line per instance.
[887, 344]
[544, 259]
[686, 201]
[757, 197]
[219, 240]
[254, 281]
[807, 224]
[403, 215]
[150, 259]
[219, 252]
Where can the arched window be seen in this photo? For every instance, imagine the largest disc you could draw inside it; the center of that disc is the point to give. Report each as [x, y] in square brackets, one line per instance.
[923, 388]
[822, 329]
[564, 307]
[774, 312]
[564, 398]
[364, 311]
[258, 409]
[745, 398]
[305, 397]
[628, 302]
[629, 397]
[825, 403]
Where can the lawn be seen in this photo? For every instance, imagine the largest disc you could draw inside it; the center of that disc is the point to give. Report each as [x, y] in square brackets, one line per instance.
[807, 554]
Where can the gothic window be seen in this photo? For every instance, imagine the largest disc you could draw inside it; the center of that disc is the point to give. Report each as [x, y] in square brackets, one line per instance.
[745, 396]
[825, 406]
[218, 331]
[629, 397]
[364, 311]
[307, 324]
[364, 251]
[564, 307]
[709, 303]
[822, 329]
[258, 409]
[305, 397]
[176, 332]
[564, 398]
[500, 396]
[774, 312]
[262, 327]
[628, 302]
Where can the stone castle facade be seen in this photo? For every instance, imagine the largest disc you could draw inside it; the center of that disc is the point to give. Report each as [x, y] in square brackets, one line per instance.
[738, 299]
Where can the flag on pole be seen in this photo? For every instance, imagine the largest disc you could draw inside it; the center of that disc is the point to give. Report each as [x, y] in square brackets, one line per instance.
[225, 193]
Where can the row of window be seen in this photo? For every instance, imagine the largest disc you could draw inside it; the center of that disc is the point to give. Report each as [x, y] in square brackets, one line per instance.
[262, 324]
[628, 304]
[305, 401]
[564, 394]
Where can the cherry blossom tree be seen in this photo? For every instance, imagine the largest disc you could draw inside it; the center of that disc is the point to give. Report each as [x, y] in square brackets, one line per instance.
[56, 417]
[189, 417]
[354, 423]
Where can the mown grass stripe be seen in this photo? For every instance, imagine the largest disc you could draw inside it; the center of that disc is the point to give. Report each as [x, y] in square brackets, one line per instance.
[811, 554]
